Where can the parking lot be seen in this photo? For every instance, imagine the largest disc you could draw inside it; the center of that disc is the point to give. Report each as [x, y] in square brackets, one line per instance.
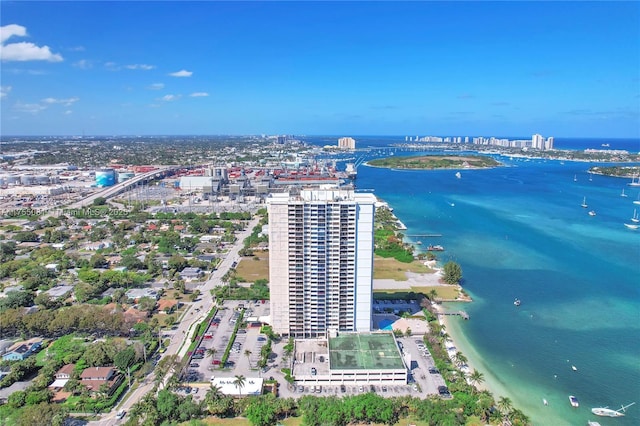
[203, 364]
[423, 379]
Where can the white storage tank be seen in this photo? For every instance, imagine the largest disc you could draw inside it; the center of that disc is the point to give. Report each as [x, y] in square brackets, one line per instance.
[13, 180]
[43, 180]
[105, 177]
[27, 180]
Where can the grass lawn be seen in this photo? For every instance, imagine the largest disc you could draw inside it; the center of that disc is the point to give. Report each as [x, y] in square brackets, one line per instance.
[444, 291]
[251, 270]
[390, 268]
[235, 421]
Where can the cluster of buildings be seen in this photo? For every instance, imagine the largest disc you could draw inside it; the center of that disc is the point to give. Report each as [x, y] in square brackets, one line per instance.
[536, 142]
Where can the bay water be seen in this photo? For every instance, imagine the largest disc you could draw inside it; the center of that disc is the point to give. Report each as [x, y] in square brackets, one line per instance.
[519, 231]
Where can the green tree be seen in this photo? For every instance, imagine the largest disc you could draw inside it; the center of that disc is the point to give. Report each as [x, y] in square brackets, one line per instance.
[261, 411]
[98, 261]
[452, 273]
[147, 304]
[504, 405]
[476, 378]
[239, 382]
[99, 201]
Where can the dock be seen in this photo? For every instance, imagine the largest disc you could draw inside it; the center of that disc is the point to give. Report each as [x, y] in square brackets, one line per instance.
[462, 314]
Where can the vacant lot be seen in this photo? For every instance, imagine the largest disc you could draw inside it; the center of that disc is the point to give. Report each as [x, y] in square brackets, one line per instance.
[251, 269]
[391, 269]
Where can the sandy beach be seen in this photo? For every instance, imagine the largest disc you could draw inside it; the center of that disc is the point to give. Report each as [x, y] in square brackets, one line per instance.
[453, 326]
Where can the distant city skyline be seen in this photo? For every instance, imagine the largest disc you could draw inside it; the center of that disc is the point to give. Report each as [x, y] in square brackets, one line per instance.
[568, 69]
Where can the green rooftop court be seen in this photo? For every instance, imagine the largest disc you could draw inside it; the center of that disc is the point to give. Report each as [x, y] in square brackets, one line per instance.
[364, 351]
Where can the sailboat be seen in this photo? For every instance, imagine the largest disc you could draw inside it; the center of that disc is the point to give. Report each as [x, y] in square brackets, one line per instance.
[584, 203]
[575, 178]
[458, 175]
[623, 194]
[635, 216]
[635, 181]
[632, 225]
[608, 412]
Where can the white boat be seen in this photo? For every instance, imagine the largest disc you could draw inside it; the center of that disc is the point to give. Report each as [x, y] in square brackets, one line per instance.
[517, 302]
[458, 175]
[635, 216]
[544, 401]
[574, 368]
[584, 203]
[574, 401]
[575, 178]
[608, 412]
[631, 225]
[592, 423]
[635, 181]
[592, 213]
[623, 194]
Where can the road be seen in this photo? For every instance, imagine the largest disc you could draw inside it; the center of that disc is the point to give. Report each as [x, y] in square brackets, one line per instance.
[186, 326]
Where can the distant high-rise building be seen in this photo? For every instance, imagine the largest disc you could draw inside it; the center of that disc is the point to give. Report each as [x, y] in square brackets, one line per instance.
[549, 143]
[320, 261]
[346, 143]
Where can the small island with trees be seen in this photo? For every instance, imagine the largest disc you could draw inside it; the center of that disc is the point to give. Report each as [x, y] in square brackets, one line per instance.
[432, 162]
[616, 171]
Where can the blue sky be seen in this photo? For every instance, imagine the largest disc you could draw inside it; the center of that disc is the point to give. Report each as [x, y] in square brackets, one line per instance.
[568, 69]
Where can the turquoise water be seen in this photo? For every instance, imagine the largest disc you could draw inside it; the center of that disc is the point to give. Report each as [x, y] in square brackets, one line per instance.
[519, 232]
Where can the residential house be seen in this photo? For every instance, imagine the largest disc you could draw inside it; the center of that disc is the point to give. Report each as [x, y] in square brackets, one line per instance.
[189, 274]
[94, 377]
[136, 294]
[22, 350]
[62, 376]
[61, 291]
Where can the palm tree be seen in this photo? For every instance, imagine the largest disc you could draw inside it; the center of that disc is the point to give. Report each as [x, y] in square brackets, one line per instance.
[211, 352]
[476, 378]
[239, 382]
[432, 294]
[247, 353]
[504, 405]
[459, 359]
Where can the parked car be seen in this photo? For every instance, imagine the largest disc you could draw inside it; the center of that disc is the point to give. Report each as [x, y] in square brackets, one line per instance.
[313, 371]
[121, 414]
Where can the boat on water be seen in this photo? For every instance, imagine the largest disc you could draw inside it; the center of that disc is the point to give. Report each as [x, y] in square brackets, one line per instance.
[574, 368]
[435, 248]
[592, 423]
[575, 178]
[419, 243]
[605, 145]
[544, 401]
[631, 225]
[635, 181]
[584, 204]
[458, 175]
[608, 412]
[574, 401]
[623, 194]
[592, 213]
[517, 302]
[635, 217]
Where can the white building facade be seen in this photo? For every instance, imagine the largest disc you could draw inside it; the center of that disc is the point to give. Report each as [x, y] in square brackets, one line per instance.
[321, 261]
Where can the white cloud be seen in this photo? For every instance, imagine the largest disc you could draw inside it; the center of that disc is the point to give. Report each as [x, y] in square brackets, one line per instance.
[181, 73]
[65, 102]
[83, 64]
[199, 94]
[4, 91]
[144, 67]
[23, 51]
[156, 86]
[169, 98]
[9, 31]
[68, 112]
[30, 108]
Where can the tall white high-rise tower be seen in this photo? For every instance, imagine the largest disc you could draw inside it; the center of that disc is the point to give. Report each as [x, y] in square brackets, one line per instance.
[321, 261]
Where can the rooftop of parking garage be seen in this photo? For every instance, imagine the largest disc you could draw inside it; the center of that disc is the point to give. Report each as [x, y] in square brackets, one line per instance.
[364, 351]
